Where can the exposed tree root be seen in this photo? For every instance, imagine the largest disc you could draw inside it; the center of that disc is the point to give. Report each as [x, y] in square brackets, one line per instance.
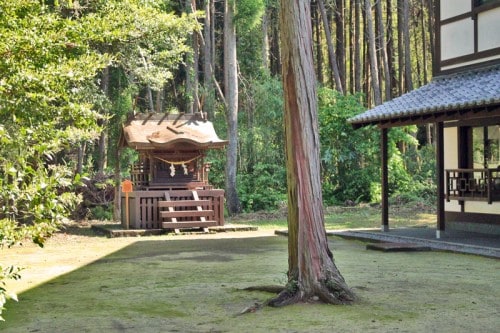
[286, 297]
[330, 291]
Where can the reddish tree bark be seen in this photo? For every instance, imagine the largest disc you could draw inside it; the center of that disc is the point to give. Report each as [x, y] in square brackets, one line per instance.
[312, 275]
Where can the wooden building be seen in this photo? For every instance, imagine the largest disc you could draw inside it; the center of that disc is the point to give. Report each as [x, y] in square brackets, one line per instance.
[170, 185]
[463, 101]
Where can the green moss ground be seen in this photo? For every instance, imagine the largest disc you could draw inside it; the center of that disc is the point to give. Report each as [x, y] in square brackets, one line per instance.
[193, 284]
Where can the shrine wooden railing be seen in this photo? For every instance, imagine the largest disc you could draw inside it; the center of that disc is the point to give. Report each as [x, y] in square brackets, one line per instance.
[146, 213]
[473, 185]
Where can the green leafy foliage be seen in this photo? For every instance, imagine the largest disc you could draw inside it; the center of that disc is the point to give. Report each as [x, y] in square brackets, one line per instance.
[349, 157]
[50, 97]
[248, 14]
[263, 189]
[51, 100]
[47, 91]
[7, 273]
[101, 213]
[262, 176]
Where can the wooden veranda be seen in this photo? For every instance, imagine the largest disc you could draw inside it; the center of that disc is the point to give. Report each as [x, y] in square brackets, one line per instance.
[170, 186]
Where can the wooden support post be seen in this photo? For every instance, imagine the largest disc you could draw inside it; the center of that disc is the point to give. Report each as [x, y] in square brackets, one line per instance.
[127, 187]
[171, 209]
[385, 180]
[440, 178]
[199, 208]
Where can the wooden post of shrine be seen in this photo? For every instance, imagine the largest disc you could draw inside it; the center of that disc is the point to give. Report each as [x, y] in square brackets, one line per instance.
[127, 188]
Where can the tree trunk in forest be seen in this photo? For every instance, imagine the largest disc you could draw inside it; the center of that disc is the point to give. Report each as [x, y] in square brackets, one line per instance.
[351, 44]
[149, 93]
[424, 41]
[117, 202]
[192, 68]
[274, 54]
[331, 53]
[390, 48]
[265, 41]
[418, 59]
[407, 61]
[428, 134]
[357, 45]
[401, 59]
[340, 45]
[383, 50]
[208, 84]
[81, 156]
[312, 274]
[103, 144]
[372, 53]
[196, 60]
[159, 100]
[103, 137]
[231, 98]
[367, 72]
[318, 46]
[430, 28]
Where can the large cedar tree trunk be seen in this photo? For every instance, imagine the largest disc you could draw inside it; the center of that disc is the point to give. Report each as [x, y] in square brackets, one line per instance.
[312, 274]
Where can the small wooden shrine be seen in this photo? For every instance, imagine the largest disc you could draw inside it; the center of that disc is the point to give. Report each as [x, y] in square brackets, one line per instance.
[170, 187]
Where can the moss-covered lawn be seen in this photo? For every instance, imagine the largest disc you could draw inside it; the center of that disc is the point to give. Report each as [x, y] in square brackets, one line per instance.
[88, 283]
[361, 216]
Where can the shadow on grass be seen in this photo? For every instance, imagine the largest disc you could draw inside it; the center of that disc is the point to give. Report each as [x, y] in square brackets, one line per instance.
[196, 286]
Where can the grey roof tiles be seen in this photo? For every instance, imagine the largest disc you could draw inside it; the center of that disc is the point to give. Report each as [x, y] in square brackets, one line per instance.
[459, 91]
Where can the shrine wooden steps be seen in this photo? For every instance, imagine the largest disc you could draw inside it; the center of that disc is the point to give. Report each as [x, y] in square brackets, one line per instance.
[186, 212]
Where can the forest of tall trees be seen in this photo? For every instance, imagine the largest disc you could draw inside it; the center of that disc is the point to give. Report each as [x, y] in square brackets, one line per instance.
[365, 52]
[223, 59]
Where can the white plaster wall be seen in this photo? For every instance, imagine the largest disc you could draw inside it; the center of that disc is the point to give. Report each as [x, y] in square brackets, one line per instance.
[451, 161]
[482, 207]
[488, 27]
[450, 8]
[450, 147]
[457, 39]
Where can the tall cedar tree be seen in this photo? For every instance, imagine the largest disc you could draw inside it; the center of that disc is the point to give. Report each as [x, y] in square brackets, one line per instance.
[373, 54]
[231, 97]
[312, 274]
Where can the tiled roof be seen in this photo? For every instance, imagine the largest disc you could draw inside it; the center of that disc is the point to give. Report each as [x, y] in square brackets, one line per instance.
[466, 90]
[161, 131]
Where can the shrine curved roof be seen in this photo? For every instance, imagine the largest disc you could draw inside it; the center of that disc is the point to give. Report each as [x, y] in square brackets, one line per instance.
[445, 96]
[170, 131]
